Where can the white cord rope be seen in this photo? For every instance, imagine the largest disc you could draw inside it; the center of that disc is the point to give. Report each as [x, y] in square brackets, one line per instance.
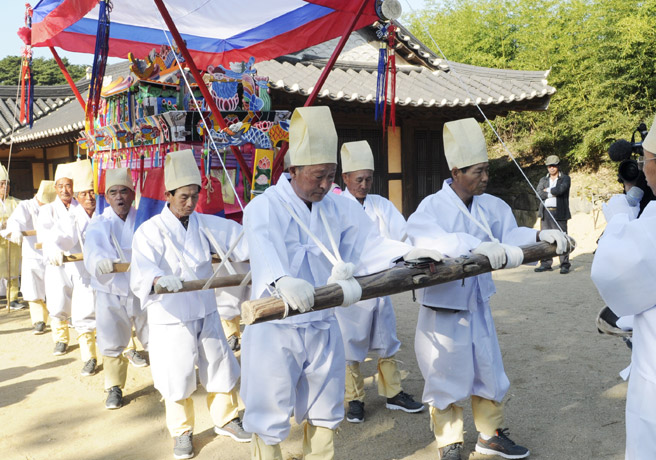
[342, 273]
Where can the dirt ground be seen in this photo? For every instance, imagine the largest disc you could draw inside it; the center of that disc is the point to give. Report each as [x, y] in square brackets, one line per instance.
[566, 399]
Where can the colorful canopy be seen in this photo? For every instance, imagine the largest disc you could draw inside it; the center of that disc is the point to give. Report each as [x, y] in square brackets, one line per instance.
[216, 31]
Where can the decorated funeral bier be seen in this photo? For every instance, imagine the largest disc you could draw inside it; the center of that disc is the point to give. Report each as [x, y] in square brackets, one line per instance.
[158, 108]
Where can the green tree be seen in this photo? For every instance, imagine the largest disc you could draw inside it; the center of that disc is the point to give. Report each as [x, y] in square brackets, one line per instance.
[45, 71]
[602, 56]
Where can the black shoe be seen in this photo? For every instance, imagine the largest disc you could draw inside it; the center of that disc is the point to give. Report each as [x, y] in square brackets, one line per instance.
[114, 399]
[16, 305]
[355, 412]
[235, 430]
[543, 268]
[135, 358]
[89, 367]
[233, 343]
[564, 270]
[403, 401]
[501, 445]
[60, 349]
[39, 328]
[183, 447]
[450, 452]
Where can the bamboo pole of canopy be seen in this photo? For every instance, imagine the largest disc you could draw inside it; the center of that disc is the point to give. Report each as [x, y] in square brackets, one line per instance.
[29, 233]
[393, 281]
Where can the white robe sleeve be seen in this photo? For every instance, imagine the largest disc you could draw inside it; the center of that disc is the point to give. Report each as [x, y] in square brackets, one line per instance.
[147, 253]
[396, 224]
[424, 231]
[19, 219]
[624, 266]
[98, 246]
[266, 241]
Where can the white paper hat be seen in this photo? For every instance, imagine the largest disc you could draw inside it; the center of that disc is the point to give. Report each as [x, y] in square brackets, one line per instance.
[180, 169]
[3, 173]
[312, 137]
[118, 176]
[46, 193]
[464, 143]
[357, 156]
[64, 171]
[649, 143]
[82, 173]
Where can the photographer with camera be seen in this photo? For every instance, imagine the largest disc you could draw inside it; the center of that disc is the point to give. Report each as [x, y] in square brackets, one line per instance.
[628, 172]
[622, 270]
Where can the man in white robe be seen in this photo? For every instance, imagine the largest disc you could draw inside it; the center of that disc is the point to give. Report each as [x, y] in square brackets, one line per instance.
[623, 269]
[184, 329]
[66, 236]
[370, 325]
[456, 343]
[300, 237]
[60, 225]
[32, 267]
[109, 240]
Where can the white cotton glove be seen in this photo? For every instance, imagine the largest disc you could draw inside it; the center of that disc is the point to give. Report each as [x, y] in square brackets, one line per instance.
[54, 256]
[171, 283]
[495, 253]
[297, 293]
[514, 255]
[423, 253]
[16, 238]
[105, 266]
[619, 204]
[341, 271]
[555, 236]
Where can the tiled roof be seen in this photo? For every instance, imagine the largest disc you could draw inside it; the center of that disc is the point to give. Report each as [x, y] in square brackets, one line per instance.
[67, 118]
[425, 84]
[423, 80]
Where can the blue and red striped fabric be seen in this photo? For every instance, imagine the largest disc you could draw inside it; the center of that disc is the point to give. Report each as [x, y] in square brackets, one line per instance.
[216, 31]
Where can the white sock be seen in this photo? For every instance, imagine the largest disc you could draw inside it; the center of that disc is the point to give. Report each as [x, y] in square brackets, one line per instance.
[485, 437]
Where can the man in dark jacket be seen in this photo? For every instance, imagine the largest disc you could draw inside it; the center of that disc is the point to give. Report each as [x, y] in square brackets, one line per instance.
[554, 192]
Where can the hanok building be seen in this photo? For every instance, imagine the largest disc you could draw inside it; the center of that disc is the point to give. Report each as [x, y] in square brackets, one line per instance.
[409, 160]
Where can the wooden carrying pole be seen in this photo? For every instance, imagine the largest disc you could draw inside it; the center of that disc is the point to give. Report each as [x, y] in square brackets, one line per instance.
[392, 281]
[119, 267]
[197, 285]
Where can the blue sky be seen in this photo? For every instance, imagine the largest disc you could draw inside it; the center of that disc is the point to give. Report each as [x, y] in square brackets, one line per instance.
[12, 19]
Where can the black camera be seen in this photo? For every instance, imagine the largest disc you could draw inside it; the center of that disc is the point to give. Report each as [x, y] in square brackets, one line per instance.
[623, 151]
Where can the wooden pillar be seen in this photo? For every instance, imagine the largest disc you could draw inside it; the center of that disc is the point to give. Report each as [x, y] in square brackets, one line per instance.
[394, 168]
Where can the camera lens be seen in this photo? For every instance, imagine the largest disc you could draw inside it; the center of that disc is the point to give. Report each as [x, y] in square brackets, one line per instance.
[628, 170]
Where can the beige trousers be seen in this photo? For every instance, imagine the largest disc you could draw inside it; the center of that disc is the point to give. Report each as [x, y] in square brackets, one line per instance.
[318, 444]
[223, 407]
[38, 311]
[448, 423]
[87, 341]
[59, 330]
[115, 370]
[389, 380]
